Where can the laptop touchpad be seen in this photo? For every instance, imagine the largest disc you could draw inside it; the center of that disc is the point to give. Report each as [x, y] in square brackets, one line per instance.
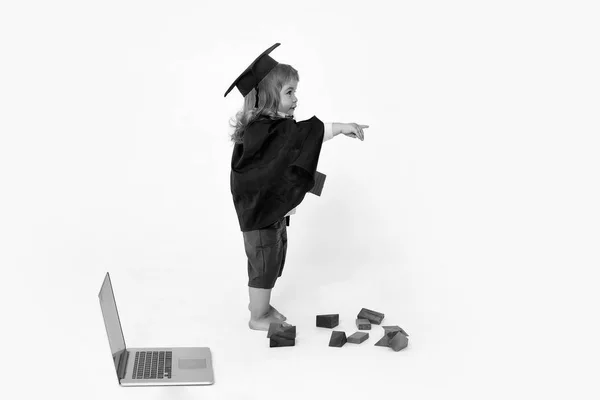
[192, 363]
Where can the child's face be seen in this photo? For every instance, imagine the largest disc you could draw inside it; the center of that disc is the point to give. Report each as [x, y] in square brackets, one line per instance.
[287, 98]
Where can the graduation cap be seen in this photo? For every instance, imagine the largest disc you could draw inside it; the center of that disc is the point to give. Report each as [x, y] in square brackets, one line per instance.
[251, 77]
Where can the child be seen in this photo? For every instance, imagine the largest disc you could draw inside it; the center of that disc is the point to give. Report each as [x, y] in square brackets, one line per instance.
[272, 168]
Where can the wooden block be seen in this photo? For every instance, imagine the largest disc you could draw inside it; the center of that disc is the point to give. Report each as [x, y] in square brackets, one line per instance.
[278, 341]
[362, 323]
[383, 342]
[373, 316]
[338, 339]
[288, 332]
[394, 328]
[393, 338]
[319, 183]
[328, 320]
[398, 341]
[358, 337]
[273, 328]
[388, 334]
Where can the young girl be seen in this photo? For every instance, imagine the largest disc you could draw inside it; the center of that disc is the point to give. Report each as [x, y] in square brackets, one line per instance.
[272, 168]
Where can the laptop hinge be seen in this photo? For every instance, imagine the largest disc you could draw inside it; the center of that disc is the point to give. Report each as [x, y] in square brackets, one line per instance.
[122, 368]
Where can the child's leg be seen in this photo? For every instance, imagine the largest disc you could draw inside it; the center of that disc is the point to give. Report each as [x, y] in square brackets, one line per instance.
[265, 249]
[272, 310]
[259, 302]
[260, 310]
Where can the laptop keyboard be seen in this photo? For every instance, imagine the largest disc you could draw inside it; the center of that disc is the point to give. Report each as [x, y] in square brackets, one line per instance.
[152, 365]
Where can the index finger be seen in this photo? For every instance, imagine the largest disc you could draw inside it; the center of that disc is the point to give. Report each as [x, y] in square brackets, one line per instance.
[364, 126]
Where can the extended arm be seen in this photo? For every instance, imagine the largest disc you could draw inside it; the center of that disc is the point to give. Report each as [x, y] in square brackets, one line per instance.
[350, 129]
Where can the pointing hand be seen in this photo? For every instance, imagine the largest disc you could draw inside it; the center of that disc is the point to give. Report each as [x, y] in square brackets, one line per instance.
[354, 130]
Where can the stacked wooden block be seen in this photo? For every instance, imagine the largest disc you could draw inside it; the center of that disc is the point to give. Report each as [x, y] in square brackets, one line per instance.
[394, 338]
[281, 336]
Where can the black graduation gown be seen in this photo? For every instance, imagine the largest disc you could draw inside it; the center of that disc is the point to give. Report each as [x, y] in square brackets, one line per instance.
[274, 168]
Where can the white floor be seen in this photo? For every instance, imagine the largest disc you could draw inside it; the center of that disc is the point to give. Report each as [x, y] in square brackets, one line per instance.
[469, 338]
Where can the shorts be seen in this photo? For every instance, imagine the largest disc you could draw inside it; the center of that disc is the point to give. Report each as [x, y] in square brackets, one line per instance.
[266, 249]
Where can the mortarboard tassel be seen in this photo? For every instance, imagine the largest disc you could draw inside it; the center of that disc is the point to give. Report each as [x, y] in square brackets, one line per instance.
[256, 103]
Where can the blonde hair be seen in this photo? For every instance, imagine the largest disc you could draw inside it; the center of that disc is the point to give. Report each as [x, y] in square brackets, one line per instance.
[268, 100]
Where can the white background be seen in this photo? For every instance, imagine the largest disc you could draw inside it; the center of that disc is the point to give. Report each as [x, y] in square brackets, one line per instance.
[469, 215]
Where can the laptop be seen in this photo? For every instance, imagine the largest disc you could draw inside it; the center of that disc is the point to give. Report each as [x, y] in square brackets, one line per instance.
[161, 366]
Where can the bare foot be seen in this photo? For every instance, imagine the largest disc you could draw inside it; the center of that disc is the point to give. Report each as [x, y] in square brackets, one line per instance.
[262, 323]
[275, 313]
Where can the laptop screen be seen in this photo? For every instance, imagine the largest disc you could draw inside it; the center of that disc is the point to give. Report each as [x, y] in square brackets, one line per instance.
[111, 321]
